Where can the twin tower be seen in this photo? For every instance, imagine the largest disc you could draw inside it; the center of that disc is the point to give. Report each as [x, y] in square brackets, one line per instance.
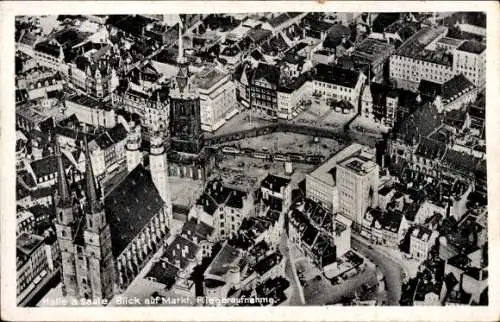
[90, 270]
[157, 159]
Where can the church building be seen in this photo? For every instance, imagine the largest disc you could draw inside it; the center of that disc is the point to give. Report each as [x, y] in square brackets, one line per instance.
[108, 234]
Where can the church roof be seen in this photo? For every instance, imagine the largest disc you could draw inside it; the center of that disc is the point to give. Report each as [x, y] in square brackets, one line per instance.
[130, 206]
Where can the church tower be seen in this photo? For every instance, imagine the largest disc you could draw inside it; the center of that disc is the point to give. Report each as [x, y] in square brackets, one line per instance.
[65, 223]
[133, 154]
[185, 116]
[97, 250]
[159, 172]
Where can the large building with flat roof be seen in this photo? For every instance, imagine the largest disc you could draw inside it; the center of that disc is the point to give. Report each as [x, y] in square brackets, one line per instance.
[358, 181]
[321, 184]
[217, 97]
[418, 58]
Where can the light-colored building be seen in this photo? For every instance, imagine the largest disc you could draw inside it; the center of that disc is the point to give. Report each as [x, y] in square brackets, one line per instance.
[151, 104]
[321, 184]
[222, 208]
[90, 111]
[469, 59]
[217, 97]
[277, 187]
[291, 97]
[36, 258]
[416, 59]
[338, 84]
[421, 241]
[358, 184]
[385, 228]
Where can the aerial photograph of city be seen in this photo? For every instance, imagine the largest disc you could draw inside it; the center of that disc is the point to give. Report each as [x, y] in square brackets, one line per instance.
[251, 159]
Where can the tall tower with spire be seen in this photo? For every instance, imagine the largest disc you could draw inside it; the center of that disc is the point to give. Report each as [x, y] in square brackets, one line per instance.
[97, 249]
[185, 115]
[133, 154]
[159, 172]
[65, 228]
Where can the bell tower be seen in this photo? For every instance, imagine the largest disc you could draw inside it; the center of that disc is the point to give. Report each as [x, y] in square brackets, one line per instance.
[159, 172]
[185, 116]
[133, 154]
[97, 241]
[65, 223]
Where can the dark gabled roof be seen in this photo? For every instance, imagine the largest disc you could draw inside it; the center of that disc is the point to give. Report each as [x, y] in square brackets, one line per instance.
[335, 35]
[132, 24]
[40, 210]
[255, 54]
[274, 183]
[462, 161]
[256, 35]
[477, 112]
[48, 165]
[267, 263]
[103, 141]
[472, 46]
[236, 199]
[208, 203]
[456, 86]
[336, 75]
[164, 273]
[390, 220]
[48, 48]
[194, 228]
[270, 73]
[130, 207]
[384, 191]
[419, 124]
[174, 251]
[41, 193]
[431, 149]
[455, 118]
[21, 95]
[223, 260]
[118, 133]
[280, 19]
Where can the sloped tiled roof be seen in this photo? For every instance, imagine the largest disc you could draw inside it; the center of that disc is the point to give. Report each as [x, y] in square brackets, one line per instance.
[130, 207]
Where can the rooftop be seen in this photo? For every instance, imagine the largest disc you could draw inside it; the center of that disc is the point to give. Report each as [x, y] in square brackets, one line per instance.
[223, 261]
[450, 41]
[199, 229]
[326, 172]
[164, 273]
[422, 233]
[130, 206]
[415, 47]
[472, 46]
[28, 243]
[274, 183]
[336, 75]
[180, 252]
[208, 78]
[371, 49]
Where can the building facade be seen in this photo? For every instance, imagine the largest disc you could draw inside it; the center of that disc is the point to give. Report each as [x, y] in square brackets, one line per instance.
[217, 98]
[358, 183]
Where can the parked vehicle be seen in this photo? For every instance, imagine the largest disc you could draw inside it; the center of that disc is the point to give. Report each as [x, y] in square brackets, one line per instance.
[260, 155]
[231, 150]
[280, 157]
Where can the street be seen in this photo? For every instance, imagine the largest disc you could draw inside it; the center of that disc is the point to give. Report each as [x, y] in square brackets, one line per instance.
[295, 298]
[391, 270]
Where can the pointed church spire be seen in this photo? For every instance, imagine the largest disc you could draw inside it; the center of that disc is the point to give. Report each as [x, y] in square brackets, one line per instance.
[62, 182]
[91, 188]
[180, 56]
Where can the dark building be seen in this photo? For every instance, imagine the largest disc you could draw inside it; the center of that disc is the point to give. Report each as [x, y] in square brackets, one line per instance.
[263, 89]
[185, 118]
